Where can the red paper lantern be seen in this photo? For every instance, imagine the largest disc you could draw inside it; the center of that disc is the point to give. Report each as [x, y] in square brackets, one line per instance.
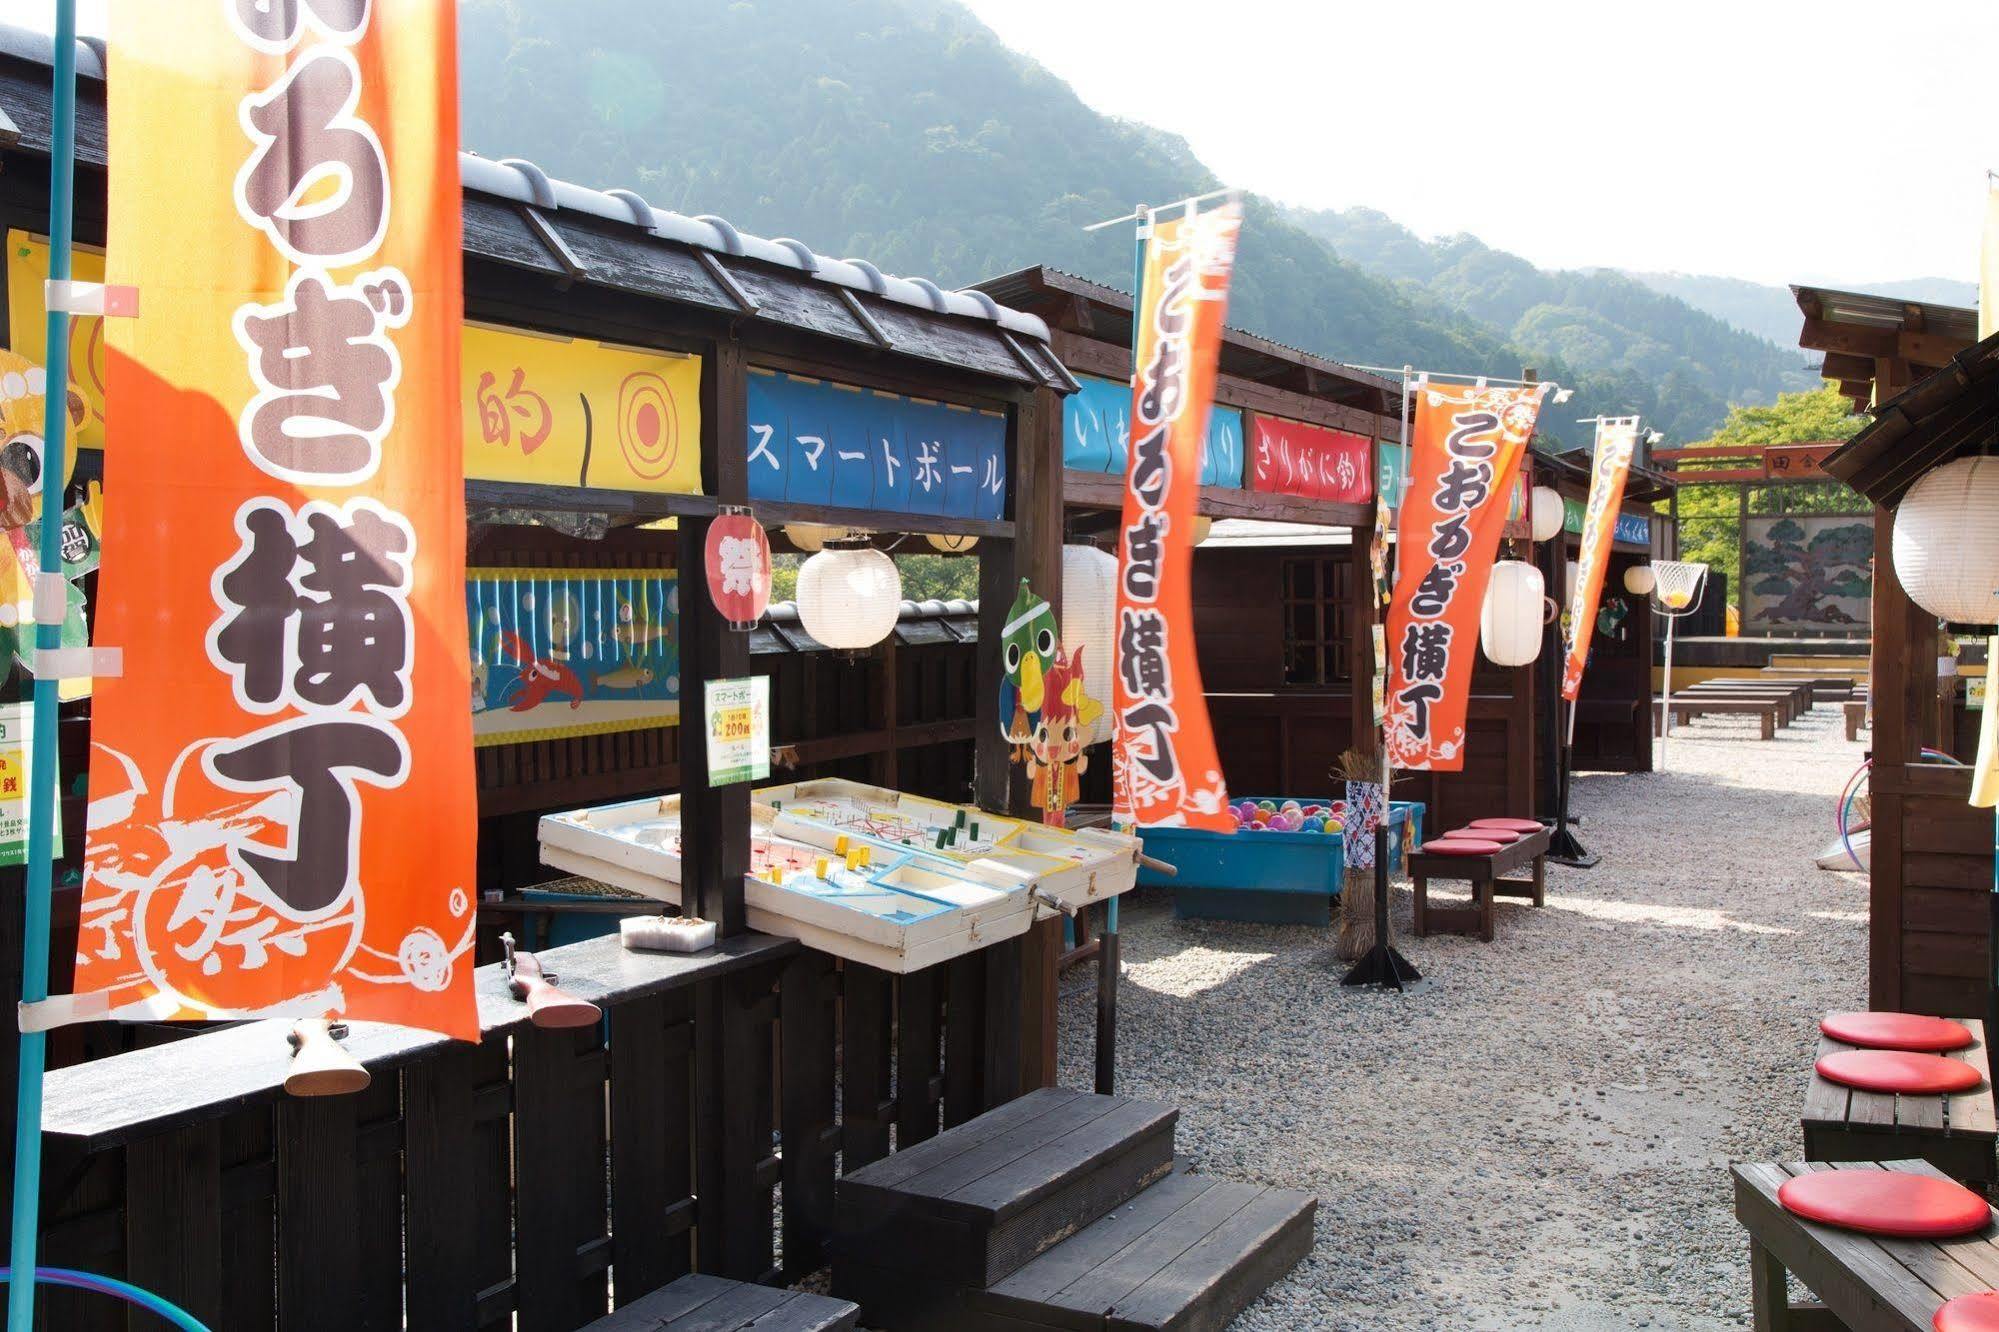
[737, 560]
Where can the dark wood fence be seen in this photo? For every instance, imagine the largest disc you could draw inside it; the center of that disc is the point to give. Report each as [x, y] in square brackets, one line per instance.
[543, 1176]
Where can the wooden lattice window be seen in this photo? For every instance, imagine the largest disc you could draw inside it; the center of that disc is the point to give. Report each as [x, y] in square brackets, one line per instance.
[1316, 616]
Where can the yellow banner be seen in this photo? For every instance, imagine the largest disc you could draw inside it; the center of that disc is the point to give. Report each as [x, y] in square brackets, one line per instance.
[1988, 268]
[28, 328]
[572, 412]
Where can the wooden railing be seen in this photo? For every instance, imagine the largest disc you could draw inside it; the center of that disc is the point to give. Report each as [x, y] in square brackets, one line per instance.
[538, 1176]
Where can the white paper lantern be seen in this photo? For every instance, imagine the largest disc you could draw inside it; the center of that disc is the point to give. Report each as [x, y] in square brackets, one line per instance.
[1947, 541]
[811, 536]
[1089, 617]
[951, 545]
[1509, 624]
[849, 599]
[1545, 512]
[1639, 580]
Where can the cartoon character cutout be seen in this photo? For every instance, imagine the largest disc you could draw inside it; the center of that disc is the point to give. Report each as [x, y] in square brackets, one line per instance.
[23, 421]
[1060, 737]
[1028, 652]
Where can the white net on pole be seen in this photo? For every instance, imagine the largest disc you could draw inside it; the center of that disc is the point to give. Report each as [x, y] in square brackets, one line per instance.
[1678, 586]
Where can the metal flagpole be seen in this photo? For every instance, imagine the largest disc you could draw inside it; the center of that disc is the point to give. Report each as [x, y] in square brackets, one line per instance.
[42, 812]
[1381, 964]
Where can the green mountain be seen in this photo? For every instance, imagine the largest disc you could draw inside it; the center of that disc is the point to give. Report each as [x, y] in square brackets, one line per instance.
[1771, 312]
[1598, 321]
[904, 131]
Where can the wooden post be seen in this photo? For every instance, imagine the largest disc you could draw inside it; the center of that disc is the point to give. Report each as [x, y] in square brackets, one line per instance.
[715, 822]
[1361, 609]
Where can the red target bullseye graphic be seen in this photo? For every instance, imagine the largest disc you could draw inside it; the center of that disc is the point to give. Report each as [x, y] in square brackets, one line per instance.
[648, 425]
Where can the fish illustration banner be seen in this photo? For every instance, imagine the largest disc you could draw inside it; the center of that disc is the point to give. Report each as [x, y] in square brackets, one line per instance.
[812, 441]
[1096, 432]
[282, 813]
[1615, 442]
[572, 412]
[567, 652]
[1465, 452]
[1292, 458]
[1164, 767]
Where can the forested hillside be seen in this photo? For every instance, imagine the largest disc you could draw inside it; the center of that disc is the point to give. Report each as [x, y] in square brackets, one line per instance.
[905, 132]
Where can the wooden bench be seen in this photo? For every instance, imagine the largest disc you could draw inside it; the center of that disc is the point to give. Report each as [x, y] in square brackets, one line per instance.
[1856, 717]
[1867, 1283]
[1765, 710]
[1487, 876]
[1796, 698]
[1955, 1134]
[709, 1304]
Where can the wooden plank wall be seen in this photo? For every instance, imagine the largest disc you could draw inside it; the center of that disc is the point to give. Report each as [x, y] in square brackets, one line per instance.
[1611, 731]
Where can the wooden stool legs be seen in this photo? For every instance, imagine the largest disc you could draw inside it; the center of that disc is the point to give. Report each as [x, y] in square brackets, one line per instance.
[1421, 925]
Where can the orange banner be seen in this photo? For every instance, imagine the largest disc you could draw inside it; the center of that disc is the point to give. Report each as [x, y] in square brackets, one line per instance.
[1164, 767]
[281, 784]
[1463, 456]
[1615, 441]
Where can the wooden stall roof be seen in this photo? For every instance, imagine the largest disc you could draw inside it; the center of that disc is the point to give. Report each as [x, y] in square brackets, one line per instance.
[517, 215]
[1953, 411]
[1642, 487]
[1861, 335]
[1077, 305]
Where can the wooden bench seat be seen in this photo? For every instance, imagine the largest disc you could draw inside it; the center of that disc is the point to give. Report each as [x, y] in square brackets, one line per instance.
[1953, 1133]
[1487, 875]
[1864, 1283]
[1856, 717]
[1685, 710]
[1796, 698]
[698, 1303]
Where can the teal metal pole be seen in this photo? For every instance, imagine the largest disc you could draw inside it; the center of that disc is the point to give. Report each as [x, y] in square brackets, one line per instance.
[42, 812]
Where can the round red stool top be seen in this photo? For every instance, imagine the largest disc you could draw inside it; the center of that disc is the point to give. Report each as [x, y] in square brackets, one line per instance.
[1896, 1031]
[1511, 825]
[1968, 1313]
[1458, 846]
[1504, 836]
[1886, 1202]
[1897, 1071]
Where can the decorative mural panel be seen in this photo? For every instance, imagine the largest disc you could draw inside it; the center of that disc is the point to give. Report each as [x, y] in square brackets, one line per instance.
[573, 412]
[812, 441]
[1096, 428]
[1807, 571]
[565, 652]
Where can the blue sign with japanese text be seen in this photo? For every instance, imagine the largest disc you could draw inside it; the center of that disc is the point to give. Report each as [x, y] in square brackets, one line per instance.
[1096, 426]
[812, 441]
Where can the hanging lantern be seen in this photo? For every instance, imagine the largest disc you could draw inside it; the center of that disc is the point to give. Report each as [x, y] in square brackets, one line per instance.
[849, 599]
[1639, 580]
[1089, 614]
[1947, 541]
[951, 545]
[1509, 624]
[737, 563]
[810, 537]
[1545, 512]
[1202, 526]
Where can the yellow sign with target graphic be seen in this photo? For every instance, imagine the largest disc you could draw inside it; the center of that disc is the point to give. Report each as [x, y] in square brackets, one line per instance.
[573, 412]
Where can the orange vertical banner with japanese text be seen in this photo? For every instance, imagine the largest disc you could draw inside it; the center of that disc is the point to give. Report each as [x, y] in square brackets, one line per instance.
[1164, 766]
[282, 814]
[1616, 439]
[1465, 449]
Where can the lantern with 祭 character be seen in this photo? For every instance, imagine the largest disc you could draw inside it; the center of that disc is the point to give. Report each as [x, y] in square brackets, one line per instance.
[737, 562]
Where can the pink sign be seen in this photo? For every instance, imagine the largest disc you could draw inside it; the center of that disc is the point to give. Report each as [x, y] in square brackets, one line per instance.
[1291, 458]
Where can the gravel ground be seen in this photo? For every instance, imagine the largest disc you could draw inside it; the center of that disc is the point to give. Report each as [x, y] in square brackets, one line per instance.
[1537, 1138]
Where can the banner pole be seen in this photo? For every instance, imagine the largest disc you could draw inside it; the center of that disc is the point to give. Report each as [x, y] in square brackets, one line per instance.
[1381, 964]
[42, 811]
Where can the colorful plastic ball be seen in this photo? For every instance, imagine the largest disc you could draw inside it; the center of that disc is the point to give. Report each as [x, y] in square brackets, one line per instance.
[1313, 823]
[1267, 806]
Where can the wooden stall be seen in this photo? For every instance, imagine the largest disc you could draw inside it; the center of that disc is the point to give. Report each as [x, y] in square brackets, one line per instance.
[621, 367]
[1282, 613]
[1613, 713]
[1930, 883]
[1876, 346]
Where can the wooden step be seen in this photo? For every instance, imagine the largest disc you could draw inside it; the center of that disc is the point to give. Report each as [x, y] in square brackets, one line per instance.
[710, 1304]
[1188, 1253]
[974, 1204]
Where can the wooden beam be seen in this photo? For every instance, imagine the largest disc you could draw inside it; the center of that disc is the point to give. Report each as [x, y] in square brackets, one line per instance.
[1104, 490]
[1930, 349]
[1845, 365]
[1818, 335]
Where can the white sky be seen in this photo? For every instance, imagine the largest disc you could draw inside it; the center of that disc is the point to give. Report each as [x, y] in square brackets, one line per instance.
[1774, 140]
